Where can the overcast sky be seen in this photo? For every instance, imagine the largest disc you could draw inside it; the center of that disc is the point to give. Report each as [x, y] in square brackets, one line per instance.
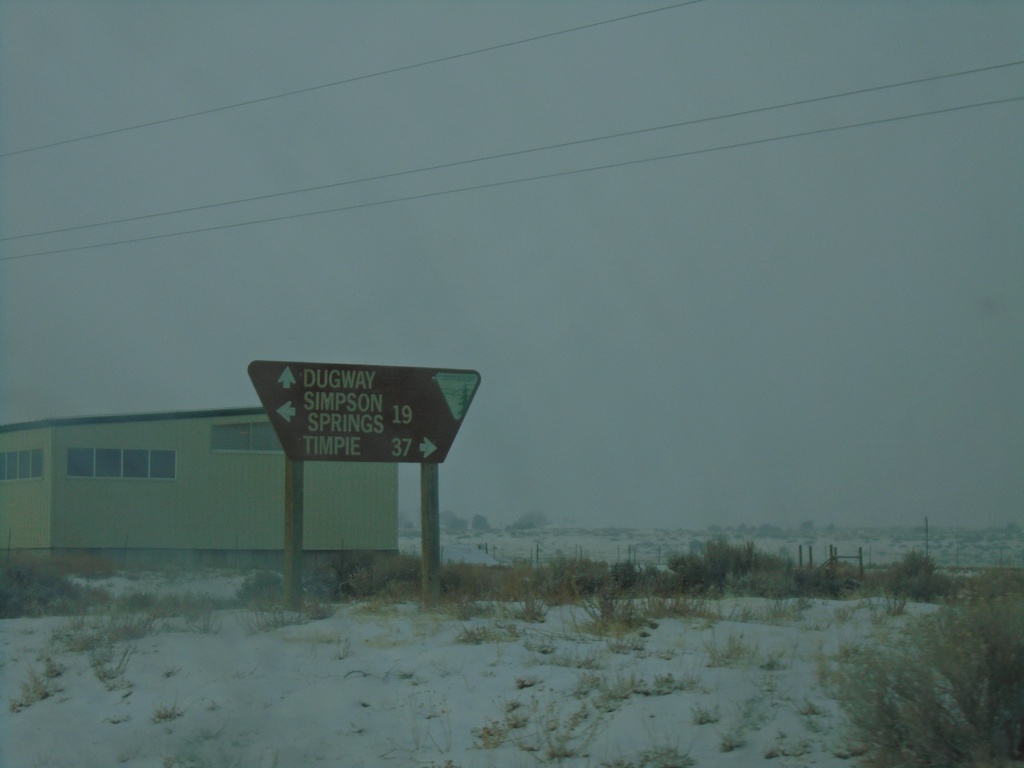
[734, 324]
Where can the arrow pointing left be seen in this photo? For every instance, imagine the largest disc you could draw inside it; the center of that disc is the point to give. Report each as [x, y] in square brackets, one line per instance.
[286, 411]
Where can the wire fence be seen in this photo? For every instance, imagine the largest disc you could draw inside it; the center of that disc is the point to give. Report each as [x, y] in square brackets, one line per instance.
[947, 553]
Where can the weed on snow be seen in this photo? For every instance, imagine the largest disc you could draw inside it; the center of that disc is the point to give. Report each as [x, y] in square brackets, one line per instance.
[656, 757]
[38, 686]
[164, 712]
[702, 715]
[556, 735]
[611, 614]
[81, 634]
[109, 666]
[477, 634]
[266, 619]
[733, 652]
[530, 609]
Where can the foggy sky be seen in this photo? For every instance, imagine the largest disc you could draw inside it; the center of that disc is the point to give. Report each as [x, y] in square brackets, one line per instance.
[825, 327]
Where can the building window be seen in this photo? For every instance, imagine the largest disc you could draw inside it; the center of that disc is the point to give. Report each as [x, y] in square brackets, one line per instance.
[263, 438]
[80, 462]
[108, 462]
[163, 465]
[137, 463]
[252, 437]
[21, 465]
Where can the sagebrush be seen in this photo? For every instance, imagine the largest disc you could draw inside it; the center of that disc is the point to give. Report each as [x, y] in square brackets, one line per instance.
[948, 692]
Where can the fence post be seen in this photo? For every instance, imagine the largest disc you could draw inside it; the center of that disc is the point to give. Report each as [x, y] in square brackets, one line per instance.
[860, 561]
[810, 557]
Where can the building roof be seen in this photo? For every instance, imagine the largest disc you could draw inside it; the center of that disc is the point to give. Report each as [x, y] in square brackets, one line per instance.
[130, 417]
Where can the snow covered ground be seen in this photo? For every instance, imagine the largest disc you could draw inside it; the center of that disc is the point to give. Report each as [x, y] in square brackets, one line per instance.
[379, 684]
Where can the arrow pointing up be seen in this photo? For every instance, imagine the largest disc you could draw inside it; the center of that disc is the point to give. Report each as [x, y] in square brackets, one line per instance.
[427, 447]
[286, 379]
[286, 411]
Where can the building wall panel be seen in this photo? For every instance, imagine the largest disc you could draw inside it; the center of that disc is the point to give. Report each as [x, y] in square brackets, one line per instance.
[219, 499]
[25, 503]
[345, 506]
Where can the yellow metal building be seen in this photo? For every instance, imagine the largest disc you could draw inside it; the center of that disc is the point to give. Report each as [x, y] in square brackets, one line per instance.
[203, 486]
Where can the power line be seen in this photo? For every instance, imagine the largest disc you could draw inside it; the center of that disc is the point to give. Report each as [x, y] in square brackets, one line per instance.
[523, 180]
[346, 81]
[518, 152]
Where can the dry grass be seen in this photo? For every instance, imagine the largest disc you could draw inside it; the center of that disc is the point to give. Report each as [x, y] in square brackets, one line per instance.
[39, 685]
[164, 712]
[664, 756]
[733, 652]
[81, 634]
[108, 666]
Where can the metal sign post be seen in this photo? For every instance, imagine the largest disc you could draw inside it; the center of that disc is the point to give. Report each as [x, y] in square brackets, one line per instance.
[293, 503]
[389, 414]
[430, 527]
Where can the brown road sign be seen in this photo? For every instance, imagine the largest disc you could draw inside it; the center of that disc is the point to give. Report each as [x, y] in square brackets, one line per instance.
[335, 412]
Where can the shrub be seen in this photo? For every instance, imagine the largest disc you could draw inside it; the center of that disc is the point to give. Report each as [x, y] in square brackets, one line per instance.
[531, 609]
[994, 584]
[565, 580]
[261, 588]
[34, 587]
[820, 582]
[916, 578]
[740, 568]
[625, 575]
[467, 580]
[609, 614]
[948, 692]
[361, 575]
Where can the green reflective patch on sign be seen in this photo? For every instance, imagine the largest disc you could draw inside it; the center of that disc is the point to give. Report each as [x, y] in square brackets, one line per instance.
[458, 390]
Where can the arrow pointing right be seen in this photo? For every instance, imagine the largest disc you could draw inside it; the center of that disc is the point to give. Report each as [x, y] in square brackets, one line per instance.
[286, 411]
[427, 447]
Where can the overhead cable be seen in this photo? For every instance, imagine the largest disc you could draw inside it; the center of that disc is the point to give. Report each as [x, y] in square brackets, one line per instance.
[517, 152]
[346, 81]
[522, 180]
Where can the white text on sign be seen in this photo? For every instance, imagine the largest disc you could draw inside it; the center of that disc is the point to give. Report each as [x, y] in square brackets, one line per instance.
[341, 410]
[332, 378]
[332, 446]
